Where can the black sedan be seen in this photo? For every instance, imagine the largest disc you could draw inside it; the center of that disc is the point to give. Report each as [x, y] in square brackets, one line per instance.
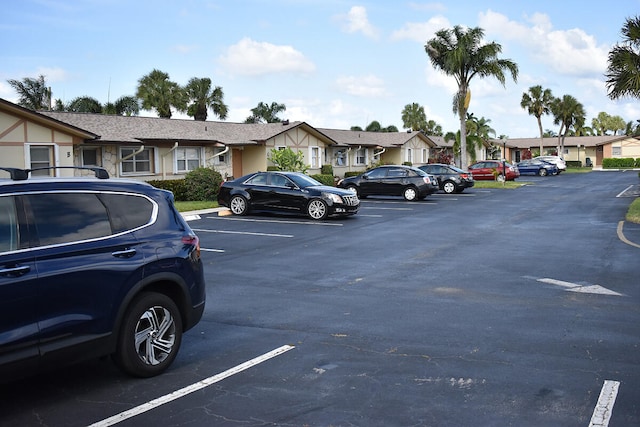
[291, 192]
[450, 178]
[537, 167]
[392, 180]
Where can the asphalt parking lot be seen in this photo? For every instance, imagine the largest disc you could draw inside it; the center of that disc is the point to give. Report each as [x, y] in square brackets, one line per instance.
[486, 308]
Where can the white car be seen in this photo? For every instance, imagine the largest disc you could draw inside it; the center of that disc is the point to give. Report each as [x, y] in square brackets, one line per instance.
[556, 160]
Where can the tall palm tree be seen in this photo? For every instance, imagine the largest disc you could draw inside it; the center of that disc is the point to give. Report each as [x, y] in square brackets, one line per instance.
[202, 98]
[414, 117]
[127, 106]
[433, 128]
[458, 52]
[537, 102]
[568, 113]
[33, 93]
[156, 91]
[265, 113]
[623, 72]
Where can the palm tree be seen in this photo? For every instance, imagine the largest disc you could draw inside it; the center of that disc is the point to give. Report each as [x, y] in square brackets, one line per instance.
[264, 113]
[538, 102]
[202, 98]
[84, 104]
[33, 93]
[413, 117]
[459, 53]
[127, 106]
[481, 131]
[156, 91]
[433, 128]
[568, 113]
[623, 72]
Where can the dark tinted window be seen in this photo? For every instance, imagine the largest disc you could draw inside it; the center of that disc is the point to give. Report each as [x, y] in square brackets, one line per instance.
[68, 217]
[258, 179]
[8, 225]
[377, 173]
[397, 172]
[126, 211]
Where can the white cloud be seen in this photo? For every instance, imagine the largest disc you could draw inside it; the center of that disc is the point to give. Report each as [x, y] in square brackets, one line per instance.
[421, 32]
[356, 21]
[252, 58]
[368, 86]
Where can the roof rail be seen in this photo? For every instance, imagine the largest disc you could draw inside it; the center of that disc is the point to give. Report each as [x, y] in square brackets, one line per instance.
[22, 174]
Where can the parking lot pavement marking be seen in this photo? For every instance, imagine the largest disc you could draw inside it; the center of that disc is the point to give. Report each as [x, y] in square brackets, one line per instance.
[145, 407]
[604, 407]
[281, 221]
[250, 233]
[622, 237]
[585, 289]
[212, 250]
[191, 217]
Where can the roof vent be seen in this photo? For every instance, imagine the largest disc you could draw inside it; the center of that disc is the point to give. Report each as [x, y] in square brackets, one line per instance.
[285, 122]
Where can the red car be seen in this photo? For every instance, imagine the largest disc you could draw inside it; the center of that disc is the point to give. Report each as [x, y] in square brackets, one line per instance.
[487, 170]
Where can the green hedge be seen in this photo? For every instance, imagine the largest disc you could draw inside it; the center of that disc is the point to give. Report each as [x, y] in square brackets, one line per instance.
[626, 162]
[326, 179]
[177, 186]
[351, 173]
[197, 185]
[574, 163]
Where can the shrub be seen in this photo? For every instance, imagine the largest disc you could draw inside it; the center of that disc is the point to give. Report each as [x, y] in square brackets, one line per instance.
[326, 179]
[176, 186]
[202, 184]
[288, 160]
[351, 173]
[574, 163]
[625, 162]
[326, 170]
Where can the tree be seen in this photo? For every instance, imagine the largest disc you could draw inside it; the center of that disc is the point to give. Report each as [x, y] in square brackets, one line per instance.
[568, 113]
[414, 117]
[288, 160]
[127, 106]
[479, 132]
[33, 93]
[459, 53]
[84, 104]
[264, 113]
[157, 92]
[623, 72]
[605, 122]
[433, 128]
[537, 102]
[202, 98]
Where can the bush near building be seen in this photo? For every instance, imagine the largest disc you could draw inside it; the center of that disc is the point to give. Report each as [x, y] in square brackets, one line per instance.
[624, 162]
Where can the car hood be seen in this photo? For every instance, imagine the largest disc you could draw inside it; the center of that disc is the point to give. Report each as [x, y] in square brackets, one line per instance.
[334, 190]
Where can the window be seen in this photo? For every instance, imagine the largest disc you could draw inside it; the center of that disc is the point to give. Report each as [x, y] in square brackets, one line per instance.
[41, 157]
[377, 173]
[8, 225]
[221, 159]
[315, 157]
[410, 155]
[137, 163]
[258, 179]
[616, 151]
[425, 155]
[361, 156]
[90, 157]
[341, 157]
[187, 159]
[127, 211]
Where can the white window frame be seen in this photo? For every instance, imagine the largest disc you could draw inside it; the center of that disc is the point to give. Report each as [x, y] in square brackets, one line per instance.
[152, 160]
[53, 157]
[425, 155]
[184, 150]
[341, 154]
[217, 161]
[616, 151]
[409, 155]
[314, 156]
[360, 160]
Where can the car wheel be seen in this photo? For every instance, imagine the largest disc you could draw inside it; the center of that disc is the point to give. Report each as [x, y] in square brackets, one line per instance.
[353, 189]
[449, 187]
[150, 335]
[238, 205]
[317, 209]
[410, 193]
[542, 172]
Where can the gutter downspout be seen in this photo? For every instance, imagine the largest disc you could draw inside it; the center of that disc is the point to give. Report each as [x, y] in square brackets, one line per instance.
[164, 156]
[225, 151]
[129, 156]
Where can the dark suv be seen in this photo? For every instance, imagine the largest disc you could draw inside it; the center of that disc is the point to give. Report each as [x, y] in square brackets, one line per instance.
[392, 180]
[93, 266]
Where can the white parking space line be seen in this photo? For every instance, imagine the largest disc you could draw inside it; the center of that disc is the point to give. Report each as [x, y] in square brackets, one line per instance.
[190, 388]
[387, 209]
[249, 233]
[604, 408]
[279, 221]
[621, 194]
[585, 289]
[212, 250]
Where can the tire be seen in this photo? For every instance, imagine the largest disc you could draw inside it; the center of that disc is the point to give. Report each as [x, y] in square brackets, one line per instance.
[238, 205]
[449, 187]
[150, 335]
[317, 209]
[542, 172]
[353, 189]
[410, 193]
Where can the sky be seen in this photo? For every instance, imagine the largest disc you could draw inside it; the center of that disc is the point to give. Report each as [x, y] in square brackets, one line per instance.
[332, 63]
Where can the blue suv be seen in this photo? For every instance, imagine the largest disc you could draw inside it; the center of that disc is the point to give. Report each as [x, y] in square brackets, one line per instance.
[93, 266]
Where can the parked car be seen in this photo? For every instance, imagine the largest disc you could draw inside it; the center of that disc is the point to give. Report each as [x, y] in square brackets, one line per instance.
[485, 170]
[392, 180]
[536, 167]
[93, 266]
[556, 160]
[291, 192]
[450, 178]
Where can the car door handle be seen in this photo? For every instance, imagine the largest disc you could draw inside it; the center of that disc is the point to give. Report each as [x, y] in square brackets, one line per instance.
[127, 253]
[15, 271]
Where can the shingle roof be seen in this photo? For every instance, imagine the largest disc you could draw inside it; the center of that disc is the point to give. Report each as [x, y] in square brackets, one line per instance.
[376, 139]
[112, 128]
[569, 141]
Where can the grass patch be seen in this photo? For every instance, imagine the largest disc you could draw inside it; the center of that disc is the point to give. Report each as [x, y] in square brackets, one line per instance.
[496, 184]
[633, 214]
[578, 170]
[195, 206]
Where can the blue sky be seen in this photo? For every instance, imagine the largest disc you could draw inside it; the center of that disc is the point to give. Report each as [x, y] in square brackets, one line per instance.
[333, 63]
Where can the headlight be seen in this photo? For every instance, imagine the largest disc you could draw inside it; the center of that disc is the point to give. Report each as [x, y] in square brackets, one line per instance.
[333, 197]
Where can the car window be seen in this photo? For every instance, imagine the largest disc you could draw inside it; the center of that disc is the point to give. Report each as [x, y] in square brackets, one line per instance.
[396, 172]
[8, 225]
[258, 179]
[377, 173]
[68, 217]
[128, 211]
[278, 180]
[434, 169]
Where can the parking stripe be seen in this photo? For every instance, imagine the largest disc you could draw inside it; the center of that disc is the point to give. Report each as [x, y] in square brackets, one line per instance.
[604, 407]
[250, 233]
[191, 388]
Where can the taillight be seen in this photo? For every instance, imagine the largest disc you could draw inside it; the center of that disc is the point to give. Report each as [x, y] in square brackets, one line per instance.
[192, 240]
